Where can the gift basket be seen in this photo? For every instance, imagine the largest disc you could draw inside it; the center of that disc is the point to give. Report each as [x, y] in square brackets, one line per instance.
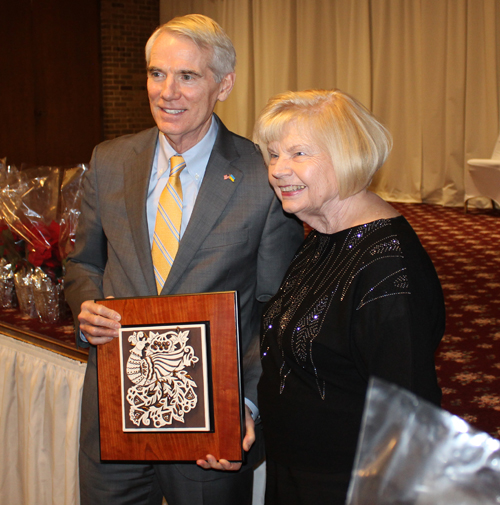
[39, 208]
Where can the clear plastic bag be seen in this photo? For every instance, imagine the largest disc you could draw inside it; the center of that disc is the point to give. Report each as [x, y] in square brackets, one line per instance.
[71, 193]
[8, 298]
[41, 205]
[28, 204]
[48, 297]
[412, 453]
[23, 281]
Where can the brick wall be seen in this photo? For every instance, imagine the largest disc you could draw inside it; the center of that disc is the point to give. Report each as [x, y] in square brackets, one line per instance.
[125, 28]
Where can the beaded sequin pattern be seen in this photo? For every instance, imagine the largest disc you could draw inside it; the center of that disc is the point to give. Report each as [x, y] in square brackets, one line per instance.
[338, 265]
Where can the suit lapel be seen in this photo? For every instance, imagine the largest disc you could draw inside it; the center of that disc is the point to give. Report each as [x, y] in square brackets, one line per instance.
[137, 173]
[213, 197]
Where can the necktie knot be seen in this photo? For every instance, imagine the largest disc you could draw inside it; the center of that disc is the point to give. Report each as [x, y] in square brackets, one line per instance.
[177, 165]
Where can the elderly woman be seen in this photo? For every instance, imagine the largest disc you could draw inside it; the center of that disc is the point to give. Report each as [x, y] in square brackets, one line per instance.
[361, 297]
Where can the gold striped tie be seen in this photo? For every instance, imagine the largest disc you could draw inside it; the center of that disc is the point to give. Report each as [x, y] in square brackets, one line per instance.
[168, 223]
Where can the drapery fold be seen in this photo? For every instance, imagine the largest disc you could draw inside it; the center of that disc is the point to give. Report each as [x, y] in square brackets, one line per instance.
[40, 397]
[428, 69]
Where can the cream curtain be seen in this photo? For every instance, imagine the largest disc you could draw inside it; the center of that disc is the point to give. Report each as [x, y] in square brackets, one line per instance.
[40, 397]
[429, 69]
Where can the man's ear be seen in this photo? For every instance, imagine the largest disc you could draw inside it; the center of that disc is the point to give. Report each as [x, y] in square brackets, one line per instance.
[226, 85]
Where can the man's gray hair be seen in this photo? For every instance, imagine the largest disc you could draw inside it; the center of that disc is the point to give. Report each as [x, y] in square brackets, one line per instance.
[207, 35]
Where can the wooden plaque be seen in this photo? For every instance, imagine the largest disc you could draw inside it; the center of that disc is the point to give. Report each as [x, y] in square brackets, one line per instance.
[170, 386]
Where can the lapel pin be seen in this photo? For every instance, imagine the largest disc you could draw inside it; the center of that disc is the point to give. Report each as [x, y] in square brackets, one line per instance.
[230, 177]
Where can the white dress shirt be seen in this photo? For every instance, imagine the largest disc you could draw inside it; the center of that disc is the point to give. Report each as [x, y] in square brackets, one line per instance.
[191, 177]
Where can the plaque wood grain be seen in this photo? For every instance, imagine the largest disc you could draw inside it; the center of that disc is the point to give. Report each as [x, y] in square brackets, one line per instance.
[220, 310]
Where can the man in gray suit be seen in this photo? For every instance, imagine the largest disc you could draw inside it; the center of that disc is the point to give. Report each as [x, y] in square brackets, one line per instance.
[234, 236]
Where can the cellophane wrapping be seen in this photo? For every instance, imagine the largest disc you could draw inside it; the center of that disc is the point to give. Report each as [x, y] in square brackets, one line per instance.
[40, 206]
[411, 452]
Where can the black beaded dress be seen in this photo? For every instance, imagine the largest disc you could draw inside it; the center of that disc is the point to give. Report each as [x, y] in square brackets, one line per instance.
[362, 302]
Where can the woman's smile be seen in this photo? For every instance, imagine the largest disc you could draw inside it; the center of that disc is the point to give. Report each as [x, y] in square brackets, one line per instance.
[290, 190]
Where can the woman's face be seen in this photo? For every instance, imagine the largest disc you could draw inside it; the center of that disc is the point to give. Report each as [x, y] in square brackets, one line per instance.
[302, 176]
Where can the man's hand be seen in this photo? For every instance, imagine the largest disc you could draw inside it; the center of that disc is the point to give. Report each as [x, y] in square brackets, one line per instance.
[98, 323]
[224, 464]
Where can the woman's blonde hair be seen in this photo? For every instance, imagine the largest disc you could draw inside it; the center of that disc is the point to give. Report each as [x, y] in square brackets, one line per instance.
[357, 143]
[207, 35]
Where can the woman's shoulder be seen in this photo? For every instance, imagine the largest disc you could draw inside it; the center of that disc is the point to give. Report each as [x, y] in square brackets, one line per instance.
[369, 207]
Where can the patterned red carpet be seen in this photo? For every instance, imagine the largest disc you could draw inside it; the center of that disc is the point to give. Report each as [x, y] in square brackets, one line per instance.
[465, 249]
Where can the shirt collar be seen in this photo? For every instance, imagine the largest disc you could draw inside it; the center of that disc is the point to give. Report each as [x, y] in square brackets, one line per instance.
[197, 157]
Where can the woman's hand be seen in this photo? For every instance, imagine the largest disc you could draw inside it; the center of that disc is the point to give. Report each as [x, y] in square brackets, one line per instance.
[224, 464]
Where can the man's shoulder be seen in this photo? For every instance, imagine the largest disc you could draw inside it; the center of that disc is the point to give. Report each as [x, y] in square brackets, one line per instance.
[244, 142]
[232, 145]
[246, 146]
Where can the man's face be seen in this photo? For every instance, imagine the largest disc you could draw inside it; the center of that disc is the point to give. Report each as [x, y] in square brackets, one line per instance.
[182, 90]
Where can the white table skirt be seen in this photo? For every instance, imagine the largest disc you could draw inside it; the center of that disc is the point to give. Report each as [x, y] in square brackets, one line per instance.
[40, 399]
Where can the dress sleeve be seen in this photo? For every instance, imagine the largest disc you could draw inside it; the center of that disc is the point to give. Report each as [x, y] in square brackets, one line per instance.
[396, 331]
[383, 339]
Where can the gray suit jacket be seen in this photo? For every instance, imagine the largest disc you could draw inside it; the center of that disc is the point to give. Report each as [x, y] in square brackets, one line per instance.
[238, 238]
